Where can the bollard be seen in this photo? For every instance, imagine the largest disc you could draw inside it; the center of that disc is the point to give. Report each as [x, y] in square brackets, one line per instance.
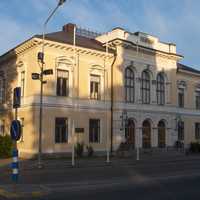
[15, 166]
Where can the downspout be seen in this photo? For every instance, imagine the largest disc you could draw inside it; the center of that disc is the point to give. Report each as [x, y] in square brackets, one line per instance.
[112, 100]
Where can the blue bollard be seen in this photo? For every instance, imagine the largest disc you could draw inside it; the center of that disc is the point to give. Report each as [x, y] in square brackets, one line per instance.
[15, 166]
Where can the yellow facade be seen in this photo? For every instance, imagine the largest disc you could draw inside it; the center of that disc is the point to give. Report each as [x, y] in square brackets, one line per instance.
[125, 50]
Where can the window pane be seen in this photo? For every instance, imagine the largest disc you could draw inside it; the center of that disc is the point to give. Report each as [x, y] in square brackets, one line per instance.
[94, 87]
[22, 83]
[145, 87]
[94, 131]
[61, 130]
[129, 85]
[62, 83]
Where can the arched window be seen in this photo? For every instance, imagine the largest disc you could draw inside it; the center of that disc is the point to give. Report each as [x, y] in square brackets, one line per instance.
[146, 134]
[129, 85]
[160, 89]
[145, 87]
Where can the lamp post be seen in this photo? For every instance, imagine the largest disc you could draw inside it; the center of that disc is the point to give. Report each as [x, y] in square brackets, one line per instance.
[41, 60]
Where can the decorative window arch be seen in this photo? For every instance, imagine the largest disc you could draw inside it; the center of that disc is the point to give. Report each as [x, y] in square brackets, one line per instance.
[129, 85]
[145, 87]
[160, 89]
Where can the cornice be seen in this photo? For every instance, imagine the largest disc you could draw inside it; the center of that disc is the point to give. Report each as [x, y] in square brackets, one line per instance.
[146, 50]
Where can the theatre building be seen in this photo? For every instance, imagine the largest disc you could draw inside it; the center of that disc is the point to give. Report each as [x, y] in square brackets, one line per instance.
[115, 87]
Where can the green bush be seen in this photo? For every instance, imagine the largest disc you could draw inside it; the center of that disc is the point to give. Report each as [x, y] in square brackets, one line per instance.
[79, 148]
[195, 147]
[90, 151]
[5, 146]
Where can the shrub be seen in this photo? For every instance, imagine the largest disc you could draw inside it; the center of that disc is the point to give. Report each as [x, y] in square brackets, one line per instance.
[90, 151]
[194, 147]
[5, 146]
[79, 148]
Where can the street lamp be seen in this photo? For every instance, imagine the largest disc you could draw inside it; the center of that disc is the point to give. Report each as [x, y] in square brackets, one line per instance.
[43, 72]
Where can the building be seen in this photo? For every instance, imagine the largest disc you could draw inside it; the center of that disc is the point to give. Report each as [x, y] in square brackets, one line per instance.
[114, 87]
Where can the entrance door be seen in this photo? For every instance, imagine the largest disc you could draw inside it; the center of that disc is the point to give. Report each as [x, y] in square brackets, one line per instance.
[130, 132]
[146, 134]
[161, 134]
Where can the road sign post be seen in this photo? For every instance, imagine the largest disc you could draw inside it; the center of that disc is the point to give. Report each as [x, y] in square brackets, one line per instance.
[15, 133]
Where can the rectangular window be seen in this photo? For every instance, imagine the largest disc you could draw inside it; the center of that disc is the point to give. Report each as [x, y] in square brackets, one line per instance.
[2, 90]
[22, 129]
[61, 130]
[198, 100]
[22, 84]
[181, 97]
[197, 131]
[62, 83]
[2, 127]
[94, 131]
[94, 87]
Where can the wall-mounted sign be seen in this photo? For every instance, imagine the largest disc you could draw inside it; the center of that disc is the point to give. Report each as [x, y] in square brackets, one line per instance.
[79, 130]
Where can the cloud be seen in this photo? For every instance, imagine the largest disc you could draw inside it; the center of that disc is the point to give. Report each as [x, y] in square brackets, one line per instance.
[13, 33]
[170, 20]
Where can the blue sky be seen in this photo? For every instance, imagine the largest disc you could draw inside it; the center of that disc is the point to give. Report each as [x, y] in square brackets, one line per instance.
[176, 21]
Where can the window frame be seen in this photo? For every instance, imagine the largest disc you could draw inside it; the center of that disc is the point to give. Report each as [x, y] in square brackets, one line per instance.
[160, 89]
[181, 97]
[2, 89]
[197, 100]
[61, 135]
[197, 131]
[146, 87]
[62, 90]
[22, 82]
[95, 85]
[129, 85]
[92, 137]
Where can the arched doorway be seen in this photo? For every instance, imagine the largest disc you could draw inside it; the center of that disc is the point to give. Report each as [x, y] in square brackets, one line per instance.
[161, 134]
[130, 132]
[146, 134]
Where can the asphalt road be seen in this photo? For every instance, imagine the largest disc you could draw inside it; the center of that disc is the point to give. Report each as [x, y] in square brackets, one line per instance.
[166, 179]
[169, 189]
[173, 188]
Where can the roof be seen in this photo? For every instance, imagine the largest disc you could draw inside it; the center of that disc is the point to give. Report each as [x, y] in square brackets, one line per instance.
[81, 41]
[186, 68]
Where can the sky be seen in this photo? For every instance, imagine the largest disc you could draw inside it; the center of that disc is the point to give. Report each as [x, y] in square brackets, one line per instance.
[176, 21]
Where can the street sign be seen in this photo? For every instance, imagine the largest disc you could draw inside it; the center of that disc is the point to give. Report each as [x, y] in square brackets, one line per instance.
[17, 97]
[79, 130]
[48, 72]
[15, 130]
[35, 76]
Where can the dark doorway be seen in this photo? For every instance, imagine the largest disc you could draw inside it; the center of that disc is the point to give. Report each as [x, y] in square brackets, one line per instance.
[161, 134]
[130, 132]
[146, 134]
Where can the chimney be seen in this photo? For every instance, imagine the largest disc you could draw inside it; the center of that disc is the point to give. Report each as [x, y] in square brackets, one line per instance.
[69, 28]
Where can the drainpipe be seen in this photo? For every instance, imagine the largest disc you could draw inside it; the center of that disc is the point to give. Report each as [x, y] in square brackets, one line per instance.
[112, 100]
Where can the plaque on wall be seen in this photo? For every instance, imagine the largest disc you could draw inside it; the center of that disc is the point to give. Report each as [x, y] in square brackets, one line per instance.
[79, 130]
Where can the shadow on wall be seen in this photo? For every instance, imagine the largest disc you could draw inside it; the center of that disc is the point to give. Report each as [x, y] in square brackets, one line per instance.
[8, 76]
